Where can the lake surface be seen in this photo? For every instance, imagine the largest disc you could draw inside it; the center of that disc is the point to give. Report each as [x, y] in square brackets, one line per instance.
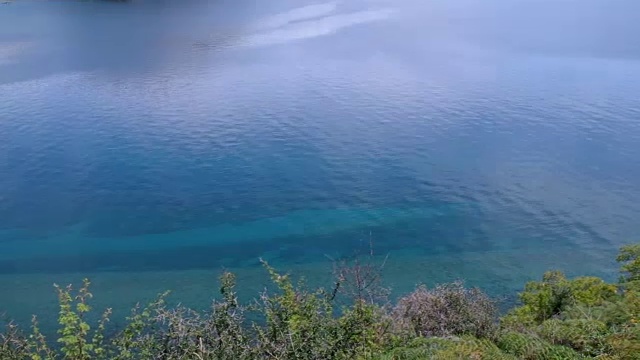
[149, 145]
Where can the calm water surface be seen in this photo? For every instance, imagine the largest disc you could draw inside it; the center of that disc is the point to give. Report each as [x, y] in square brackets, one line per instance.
[149, 145]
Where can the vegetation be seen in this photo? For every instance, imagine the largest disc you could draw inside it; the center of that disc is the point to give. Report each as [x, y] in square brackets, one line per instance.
[558, 318]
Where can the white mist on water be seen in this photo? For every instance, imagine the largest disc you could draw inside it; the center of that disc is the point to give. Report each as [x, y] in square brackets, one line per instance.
[329, 25]
[296, 15]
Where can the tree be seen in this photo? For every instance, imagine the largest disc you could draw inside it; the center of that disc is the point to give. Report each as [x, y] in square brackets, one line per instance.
[630, 258]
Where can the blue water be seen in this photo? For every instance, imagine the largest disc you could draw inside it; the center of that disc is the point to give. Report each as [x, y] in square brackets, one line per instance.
[149, 145]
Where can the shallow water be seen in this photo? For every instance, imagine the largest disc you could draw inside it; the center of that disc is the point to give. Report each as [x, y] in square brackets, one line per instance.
[149, 145]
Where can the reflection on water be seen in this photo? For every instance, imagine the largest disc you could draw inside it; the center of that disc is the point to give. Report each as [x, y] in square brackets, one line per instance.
[148, 145]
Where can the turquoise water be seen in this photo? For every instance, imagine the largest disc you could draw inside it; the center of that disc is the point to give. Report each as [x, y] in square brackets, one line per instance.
[150, 145]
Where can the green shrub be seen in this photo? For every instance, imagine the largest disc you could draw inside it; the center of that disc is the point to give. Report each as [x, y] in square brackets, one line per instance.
[471, 348]
[592, 291]
[531, 347]
[559, 318]
[74, 329]
[625, 344]
[417, 348]
[547, 298]
[586, 336]
[630, 258]
[446, 349]
[555, 295]
[299, 323]
[14, 344]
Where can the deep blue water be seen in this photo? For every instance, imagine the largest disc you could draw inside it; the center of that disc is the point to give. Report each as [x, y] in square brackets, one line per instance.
[149, 145]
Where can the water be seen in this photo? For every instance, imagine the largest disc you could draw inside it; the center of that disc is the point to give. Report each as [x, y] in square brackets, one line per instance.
[149, 145]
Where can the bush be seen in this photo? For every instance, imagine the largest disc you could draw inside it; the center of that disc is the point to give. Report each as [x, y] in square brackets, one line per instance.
[299, 324]
[630, 258]
[625, 344]
[559, 318]
[13, 343]
[447, 348]
[545, 299]
[556, 295]
[446, 310]
[592, 291]
[531, 347]
[586, 336]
